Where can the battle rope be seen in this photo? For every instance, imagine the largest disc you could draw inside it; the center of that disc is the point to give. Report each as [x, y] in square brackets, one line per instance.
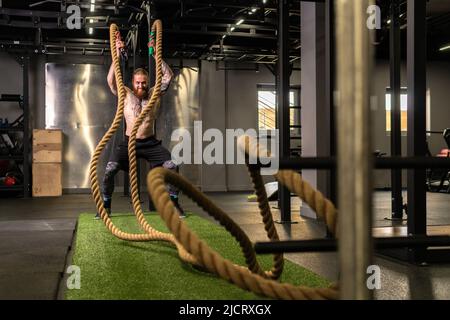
[209, 258]
[190, 248]
[151, 233]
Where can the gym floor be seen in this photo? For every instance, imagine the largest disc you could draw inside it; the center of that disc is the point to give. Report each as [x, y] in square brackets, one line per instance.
[36, 236]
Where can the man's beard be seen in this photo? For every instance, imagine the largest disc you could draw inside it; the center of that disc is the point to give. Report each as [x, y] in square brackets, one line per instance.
[140, 93]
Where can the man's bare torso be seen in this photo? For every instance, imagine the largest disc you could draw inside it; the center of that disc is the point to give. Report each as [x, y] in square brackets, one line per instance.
[132, 108]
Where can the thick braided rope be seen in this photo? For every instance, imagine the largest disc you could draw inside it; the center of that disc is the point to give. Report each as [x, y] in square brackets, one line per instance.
[101, 146]
[314, 198]
[154, 100]
[266, 214]
[209, 258]
[151, 233]
[295, 183]
[229, 224]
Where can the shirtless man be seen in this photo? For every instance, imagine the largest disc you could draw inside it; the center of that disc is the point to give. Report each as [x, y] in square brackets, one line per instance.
[147, 146]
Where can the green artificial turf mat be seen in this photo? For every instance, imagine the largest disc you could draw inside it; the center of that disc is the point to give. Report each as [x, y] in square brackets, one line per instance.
[111, 268]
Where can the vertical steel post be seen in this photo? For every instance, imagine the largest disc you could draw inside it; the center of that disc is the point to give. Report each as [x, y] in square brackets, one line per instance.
[283, 112]
[152, 75]
[416, 70]
[126, 177]
[329, 90]
[354, 64]
[396, 142]
[25, 61]
[151, 61]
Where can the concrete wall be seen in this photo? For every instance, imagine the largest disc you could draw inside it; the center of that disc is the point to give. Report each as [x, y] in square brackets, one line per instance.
[229, 100]
[242, 112]
[212, 115]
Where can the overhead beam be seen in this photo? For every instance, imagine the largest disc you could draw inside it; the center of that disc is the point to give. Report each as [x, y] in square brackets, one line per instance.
[220, 33]
[55, 25]
[50, 14]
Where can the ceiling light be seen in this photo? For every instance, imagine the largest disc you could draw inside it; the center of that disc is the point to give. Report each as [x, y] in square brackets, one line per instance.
[240, 22]
[445, 48]
[91, 30]
[92, 9]
[254, 9]
[232, 28]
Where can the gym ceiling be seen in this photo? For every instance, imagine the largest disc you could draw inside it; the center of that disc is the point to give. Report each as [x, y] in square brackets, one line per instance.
[219, 30]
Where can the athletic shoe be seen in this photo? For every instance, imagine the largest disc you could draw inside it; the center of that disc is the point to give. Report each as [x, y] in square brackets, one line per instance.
[97, 215]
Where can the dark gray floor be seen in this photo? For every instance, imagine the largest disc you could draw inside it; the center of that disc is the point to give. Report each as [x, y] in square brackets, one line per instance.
[36, 235]
[438, 208]
[33, 257]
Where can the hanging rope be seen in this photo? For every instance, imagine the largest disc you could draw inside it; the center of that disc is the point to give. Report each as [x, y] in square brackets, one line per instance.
[190, 248]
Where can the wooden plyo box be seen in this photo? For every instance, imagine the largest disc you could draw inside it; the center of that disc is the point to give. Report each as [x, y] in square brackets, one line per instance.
[47, 146]
[47, 163]
[47, 180]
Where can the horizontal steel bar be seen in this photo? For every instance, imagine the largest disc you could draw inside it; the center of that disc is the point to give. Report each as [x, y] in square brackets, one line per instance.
[379, 163]
[323, 245]
[11, 188]
[220, 33]
[55, 25]
[180, 26]
[32, 13]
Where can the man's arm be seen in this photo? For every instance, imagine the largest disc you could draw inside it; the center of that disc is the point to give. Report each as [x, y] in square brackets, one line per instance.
[166, 77]
[112, 80]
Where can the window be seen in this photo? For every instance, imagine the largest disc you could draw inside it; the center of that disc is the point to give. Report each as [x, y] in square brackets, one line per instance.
[267, 108]
[404, 109]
